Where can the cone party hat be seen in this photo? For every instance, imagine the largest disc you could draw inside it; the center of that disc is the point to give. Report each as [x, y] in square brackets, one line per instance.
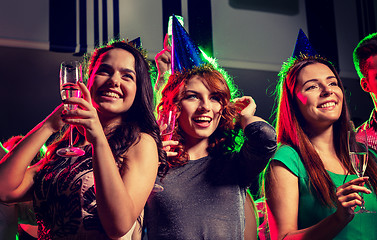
[303, 46]
[185, 53]
[136, 42]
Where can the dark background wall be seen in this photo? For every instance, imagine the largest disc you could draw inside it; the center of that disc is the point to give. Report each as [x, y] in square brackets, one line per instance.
[30, 89]
[29, 84]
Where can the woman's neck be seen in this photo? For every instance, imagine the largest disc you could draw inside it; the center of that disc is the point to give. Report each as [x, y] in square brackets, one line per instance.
[323, 143]
[322, 140]
[109, 123]
[374, 98]
[196, 148]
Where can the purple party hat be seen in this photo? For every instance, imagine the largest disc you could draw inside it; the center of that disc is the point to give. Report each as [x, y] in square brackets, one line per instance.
[303, 46]
[185, 53]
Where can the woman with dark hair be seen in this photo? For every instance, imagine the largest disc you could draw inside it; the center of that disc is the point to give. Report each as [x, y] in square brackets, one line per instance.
[204, 191]
[101, 194]
[310, 185]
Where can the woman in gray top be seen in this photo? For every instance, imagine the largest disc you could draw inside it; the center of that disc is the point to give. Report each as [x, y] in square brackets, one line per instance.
[204, 191]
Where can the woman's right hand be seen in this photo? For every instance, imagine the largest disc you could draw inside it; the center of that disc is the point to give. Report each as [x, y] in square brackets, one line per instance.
[348, 198]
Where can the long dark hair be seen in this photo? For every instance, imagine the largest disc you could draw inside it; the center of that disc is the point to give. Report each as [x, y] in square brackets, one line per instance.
[224, 138]
[290, 127]
[139, 118]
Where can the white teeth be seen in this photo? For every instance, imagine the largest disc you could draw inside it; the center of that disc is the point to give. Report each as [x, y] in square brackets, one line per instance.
[111, 94]
[203, 119]
[326, 105]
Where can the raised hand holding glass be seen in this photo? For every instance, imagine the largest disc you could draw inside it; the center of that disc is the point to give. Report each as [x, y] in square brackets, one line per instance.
[358, 152]
[70, 76]
[166, 119]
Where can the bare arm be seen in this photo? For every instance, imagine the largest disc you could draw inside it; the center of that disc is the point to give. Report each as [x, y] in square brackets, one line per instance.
[14, 172]
[283, 200]
[250, 219]
[120, 197]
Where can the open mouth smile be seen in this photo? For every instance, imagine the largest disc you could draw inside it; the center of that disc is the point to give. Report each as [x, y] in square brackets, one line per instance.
[327, 105]
[202, 119]
[111, 94]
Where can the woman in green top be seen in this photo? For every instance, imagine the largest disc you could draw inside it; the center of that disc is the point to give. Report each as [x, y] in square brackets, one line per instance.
[311, 188]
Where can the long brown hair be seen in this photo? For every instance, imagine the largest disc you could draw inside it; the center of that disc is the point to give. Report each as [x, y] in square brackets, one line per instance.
[290, 127]
[138, 119]
[222, 139]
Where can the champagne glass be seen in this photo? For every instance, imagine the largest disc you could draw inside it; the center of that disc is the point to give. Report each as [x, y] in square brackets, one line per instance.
[166, 120]
[358, 151]
[70, 76]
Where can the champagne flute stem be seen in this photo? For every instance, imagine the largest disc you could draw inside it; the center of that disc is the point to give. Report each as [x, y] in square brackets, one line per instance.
[70, 136]
[362, 207]
[362, 198]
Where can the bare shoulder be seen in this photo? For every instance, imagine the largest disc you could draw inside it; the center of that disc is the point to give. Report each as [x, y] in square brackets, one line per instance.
[278, 169]
[281, 182]
[146, 141]
[257, 119]
[147, 137]
[145, 149]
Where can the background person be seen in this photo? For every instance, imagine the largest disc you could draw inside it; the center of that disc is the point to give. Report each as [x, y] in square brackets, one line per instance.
[365, 60]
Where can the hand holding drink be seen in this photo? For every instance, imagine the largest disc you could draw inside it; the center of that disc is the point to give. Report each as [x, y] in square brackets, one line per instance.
[358, 152]
[166, 121]
[70, 76]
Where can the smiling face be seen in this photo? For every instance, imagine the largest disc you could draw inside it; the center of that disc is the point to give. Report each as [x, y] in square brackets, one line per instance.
[200, 110]
[318, 95]
[113, 83]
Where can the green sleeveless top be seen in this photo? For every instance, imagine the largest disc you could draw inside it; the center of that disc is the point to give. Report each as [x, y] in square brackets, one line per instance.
[311, 211]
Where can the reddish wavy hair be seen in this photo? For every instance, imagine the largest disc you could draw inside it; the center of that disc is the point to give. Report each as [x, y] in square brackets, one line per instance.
[222, 139]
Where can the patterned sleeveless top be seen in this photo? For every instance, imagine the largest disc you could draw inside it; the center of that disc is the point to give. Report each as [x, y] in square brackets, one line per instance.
[64, 199]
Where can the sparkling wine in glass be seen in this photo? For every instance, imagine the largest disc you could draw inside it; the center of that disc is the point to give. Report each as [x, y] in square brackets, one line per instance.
[358, 151]
[166, 121]
[70, 76]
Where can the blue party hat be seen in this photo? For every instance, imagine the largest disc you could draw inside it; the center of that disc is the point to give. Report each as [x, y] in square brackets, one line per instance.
[303, 51]
[303, 46]
[185, 53]
[138, 45]
[136, 42]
